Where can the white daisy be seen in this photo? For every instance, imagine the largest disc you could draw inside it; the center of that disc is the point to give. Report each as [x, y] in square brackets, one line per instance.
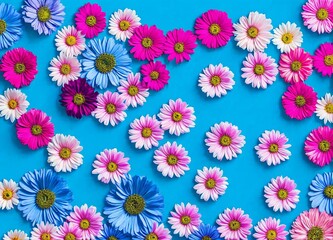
[15, 235]
[8, 194]
[287, 37]
[70, 41]
[324, 108]
[13, 104]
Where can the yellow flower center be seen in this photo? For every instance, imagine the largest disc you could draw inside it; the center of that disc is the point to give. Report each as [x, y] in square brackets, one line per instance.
[71, 40]
[36, 130]
[45, 198]
[287, 38]
[300, 101]
[154, 75]
[79, 99]
[70, 236]
[3, 26]
[134, 204]
[151, 236]
[206, 238]
[282, 194]
[185, 220]
[329, 108]
[252, 32]
[324, 146]
[65, 153]
[124, 25]
[110, 108]
[215, 80]
[177, 116]
[225, 141]
[328, 60]
[273, 148]
[45, 236]
[172, 160]
[91, 21]
[19, 68]
[147, 42]
[44, 14]
[214, 29]
[296, 66]
[146, 132]
[133, 90]
[271, 234]
[7, 194]
[259, 69]
[328, 191]
[112, 238]
[105, 62]
[112, 167]
[210, 183]
[315, 233]
[65, 69]
[12, 104]
[234, 225]
[322, 14]
[84, 224]
[179, 47]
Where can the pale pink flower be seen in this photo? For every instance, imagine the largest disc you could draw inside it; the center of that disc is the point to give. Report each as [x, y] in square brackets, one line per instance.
[68, 231]
[270, 228]
[8, 194]
[13, 104]
[70, 41]
[43, 231]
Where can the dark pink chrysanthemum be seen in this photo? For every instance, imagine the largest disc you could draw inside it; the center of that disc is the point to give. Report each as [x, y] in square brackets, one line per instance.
[155, 75]
[270, 228]
[323, 59]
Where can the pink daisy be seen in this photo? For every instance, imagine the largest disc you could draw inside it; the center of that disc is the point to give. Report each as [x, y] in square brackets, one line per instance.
[147, 42]
[13, 103]
[172, 160]
[259, 70]
[157, 232]
[273, 147]
[319, 146]
[145, 132]
[299, 101]
[185, 220]
[295, 66]
[281, 194]
[19, 67]
[90, 20]
[155, 75]
[34, 129]
[318, 15]
[68, 231]
[177, 117]
[234, 224]
[225, 141]
[270, 228]
[210, 183]
[70, 41]
[323, 59]
[87, 220]
[111, 166]
[43, 231]
[214, 28]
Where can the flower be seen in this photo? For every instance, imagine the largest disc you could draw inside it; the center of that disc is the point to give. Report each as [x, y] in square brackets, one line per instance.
[172, 160]
[177, 117]
[104, 61]
[253, 33]
[259, 70]
[90, 20]
[64, 153]
[319, 146]
[111, 166]
[19, 67]
[155, 75]
[324, 108]
[145, 132]
[68, 231]
[13, 104]
[64, 69]
[147, 42]
[44, 16]
[299, 101]
[312, 225]
[79, 98]
[224, 141]
[122, 24]
[318, 15]
[109, 232]
[281, 194]
[135, 200]
[295, 66]
[10, 25]
[44, 196]
[8, 194]
[70, 41]
[34, 129]
[15, 235]
[179, 45]
[110, 108]
[132, 90]
[87, 220]
[216, 80]
[43, 231]
[323, 59]
[273, 147]
[234, 224]
[205, 232]
[270, 228]
[287, 37]
[155, 232]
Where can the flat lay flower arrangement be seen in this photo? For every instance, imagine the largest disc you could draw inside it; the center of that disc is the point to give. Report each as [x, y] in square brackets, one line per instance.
[124, 121]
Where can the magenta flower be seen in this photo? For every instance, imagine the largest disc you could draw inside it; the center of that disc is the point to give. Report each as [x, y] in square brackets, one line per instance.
[323, 59]
[270, 228]
[156, 232]
[68, 231]
[155, 75]
[43, 231]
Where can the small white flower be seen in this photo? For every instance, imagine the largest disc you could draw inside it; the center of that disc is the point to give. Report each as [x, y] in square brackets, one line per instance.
[8, 194]
[13, 104]
[70, 41]
[324, 108]
[16, 235]
[287, 37]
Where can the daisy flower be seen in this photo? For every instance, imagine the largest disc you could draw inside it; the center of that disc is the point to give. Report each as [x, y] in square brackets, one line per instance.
[281, 194]
[299, 101]
[70, 41]
[132, 90]
[205, 232]
[287, 37]
[110, 108]
[270, 228]
[111, 166]
[295, 66]
[158, 232]
[34, 129]
[122, 24]
[155, 75]
[147, 42]
[210, 183]
[19, 67]
[13, 104]
[90, 20]
[112, 233]
[225, 141]
[259, 70]
[324, 108]
[253, 33]
[67, 231]
[319, 146]
[15, 235]
[216, 80]
[312, 224]
[87, 220]
[43, 231]
[177, 117]
[185, 220]
[234, 224]
[323, 59]
[273, 147]
[318, 15]
[8, 194]
[145, 132]
[172, 160]
[44, 16]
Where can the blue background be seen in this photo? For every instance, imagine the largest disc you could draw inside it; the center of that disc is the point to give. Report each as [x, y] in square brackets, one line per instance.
[252, 110]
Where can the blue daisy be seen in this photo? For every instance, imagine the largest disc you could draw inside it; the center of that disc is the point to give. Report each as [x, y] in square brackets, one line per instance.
[321, 192]
[109, 232]
[10, 25]
[104, 61]
[134, 204]
[44, 196]
[205, 232]
[45, 16]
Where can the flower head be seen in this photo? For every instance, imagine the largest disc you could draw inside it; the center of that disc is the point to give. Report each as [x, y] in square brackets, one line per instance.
[112, 233]
[324, 108]
[70, 41]
[10, 25]
[13, 104]
[43, 231]
[15, 235]
[323, 59]
[67, 231]
[155, 75]
[155, 232]
[270, 228]
[8, 194]
[287, 37]
[205, 232]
